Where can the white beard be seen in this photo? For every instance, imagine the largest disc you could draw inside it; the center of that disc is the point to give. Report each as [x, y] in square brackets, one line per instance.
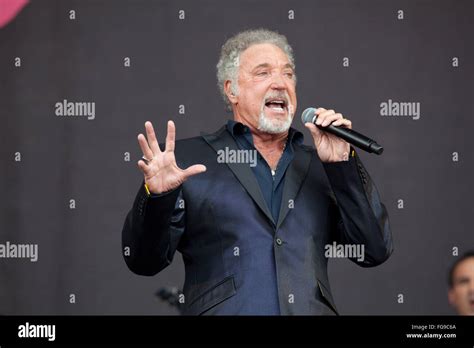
[274, 126]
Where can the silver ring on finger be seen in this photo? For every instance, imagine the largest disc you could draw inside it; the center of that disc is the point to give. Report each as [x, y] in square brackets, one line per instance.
[146, 160]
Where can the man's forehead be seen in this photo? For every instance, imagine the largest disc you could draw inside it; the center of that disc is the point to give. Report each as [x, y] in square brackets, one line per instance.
[268, 65]
[465, 267]
[268, 54]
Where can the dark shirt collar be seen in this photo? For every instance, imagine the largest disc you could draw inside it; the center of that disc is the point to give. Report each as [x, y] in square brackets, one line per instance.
[237, 128]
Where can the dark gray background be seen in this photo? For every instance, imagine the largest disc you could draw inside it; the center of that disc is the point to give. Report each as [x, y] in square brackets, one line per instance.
[173, 63]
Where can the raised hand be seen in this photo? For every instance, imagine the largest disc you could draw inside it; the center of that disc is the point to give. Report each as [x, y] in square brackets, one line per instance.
[159, 168]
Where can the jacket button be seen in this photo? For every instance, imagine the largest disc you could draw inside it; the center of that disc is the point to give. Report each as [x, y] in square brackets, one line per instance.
[279, 241]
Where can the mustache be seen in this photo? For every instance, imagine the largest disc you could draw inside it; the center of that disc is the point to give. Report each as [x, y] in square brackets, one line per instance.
[275, 95]
[279, 95]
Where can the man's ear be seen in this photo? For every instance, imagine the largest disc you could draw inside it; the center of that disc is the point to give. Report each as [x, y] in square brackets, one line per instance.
[228, 92]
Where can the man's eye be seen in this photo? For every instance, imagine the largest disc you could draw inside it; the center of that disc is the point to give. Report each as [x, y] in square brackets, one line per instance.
[289, 74]
[262, 73]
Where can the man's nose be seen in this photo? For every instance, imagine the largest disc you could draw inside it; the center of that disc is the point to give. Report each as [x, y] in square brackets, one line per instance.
[278, 81]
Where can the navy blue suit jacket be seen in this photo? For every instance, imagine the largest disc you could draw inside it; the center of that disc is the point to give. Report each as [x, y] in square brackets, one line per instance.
[237, 259]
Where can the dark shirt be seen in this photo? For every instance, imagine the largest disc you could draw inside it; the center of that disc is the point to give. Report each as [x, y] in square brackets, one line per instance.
[270, 185]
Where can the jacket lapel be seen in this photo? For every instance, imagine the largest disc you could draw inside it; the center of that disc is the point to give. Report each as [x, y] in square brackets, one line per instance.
[219, 141]
[294, 176]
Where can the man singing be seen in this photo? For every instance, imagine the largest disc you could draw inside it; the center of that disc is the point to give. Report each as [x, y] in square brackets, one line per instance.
[253, 237]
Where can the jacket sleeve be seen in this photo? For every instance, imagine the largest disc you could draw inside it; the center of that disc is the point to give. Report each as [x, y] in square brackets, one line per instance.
[152, 231]
[361, 217]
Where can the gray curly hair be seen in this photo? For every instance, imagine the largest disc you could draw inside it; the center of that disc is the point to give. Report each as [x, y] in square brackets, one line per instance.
[228, 65]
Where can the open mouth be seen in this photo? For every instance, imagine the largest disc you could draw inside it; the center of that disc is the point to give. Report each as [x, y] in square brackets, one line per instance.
[276, 104]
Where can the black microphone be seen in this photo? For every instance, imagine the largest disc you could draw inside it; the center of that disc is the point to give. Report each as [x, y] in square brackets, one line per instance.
[349, 135]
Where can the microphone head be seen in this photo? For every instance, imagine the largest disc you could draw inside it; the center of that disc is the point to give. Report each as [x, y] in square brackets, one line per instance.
[309, 115]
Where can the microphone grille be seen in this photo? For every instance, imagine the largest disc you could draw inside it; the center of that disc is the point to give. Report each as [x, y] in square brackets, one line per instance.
[308, 115]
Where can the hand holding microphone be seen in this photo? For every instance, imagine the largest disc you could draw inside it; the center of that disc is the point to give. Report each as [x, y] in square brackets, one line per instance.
[332, 134]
